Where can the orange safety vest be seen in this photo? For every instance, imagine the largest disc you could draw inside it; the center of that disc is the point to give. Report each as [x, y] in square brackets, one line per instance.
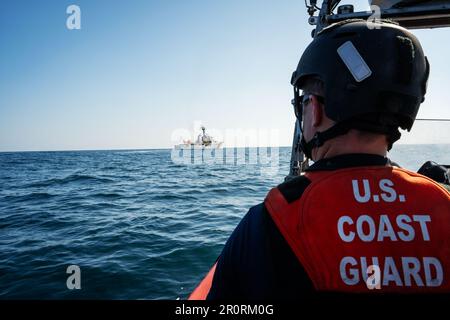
[369, 229]
[202, 290]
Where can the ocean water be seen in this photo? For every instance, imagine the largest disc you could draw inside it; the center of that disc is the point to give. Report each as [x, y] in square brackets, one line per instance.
[139, 225]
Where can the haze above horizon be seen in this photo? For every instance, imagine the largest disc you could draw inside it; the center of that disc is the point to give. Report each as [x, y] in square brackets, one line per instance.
[139, 70]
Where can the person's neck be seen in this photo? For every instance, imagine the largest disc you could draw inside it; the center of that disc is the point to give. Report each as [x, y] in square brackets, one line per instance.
[348, 144]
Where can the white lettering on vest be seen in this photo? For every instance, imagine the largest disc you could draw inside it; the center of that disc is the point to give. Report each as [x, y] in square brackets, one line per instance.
[353, 277]
[402, 271]
[423, 219]
[411, 268]
[390, 273]
[402, 222]
[390, 195]
[359, 228]
[357, 193]
[437, 281]
[345, 237]
[384, 229]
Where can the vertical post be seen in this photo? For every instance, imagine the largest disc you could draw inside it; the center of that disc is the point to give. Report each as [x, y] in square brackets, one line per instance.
[297, 157]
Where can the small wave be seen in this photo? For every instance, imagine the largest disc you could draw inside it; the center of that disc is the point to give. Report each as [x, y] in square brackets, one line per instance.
[30, 197]
[108, 168]
[69, 179]
[105, 195]
[173, 197]
[192, 191]
[220, 190]
[135, 152]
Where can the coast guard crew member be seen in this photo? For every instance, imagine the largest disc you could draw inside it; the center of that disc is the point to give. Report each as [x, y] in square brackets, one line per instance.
[353, 223]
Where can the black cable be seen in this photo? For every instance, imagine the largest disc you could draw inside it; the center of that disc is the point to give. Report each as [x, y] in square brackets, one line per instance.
[334, 4]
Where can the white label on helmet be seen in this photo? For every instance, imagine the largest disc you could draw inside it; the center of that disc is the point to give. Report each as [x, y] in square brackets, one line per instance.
[354, 62]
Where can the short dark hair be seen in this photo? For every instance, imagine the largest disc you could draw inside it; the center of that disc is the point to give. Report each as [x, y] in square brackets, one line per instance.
[315, 85]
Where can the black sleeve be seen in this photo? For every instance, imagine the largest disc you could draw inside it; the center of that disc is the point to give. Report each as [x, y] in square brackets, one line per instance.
[257, 263]
[226, 282]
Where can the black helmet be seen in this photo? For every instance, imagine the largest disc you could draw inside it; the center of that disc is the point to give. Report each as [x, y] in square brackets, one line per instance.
[372, 71]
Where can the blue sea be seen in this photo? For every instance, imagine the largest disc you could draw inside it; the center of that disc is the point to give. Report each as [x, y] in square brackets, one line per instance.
[138, 224]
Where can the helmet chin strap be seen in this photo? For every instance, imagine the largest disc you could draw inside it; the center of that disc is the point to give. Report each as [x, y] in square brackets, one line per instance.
[342, 128]
[321, 137]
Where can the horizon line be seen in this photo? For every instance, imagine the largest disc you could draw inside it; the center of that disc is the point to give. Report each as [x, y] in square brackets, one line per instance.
[149, 149]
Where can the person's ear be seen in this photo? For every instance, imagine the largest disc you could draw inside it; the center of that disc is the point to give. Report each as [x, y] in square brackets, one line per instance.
[317, 111]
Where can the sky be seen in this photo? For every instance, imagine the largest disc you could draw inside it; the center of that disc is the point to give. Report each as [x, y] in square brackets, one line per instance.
[138, 72]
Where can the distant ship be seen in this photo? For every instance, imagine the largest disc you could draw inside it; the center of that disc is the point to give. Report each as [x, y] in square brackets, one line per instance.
[204, 141]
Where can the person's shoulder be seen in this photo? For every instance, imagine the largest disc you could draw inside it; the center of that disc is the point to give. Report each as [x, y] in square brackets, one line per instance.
[253, 216]
[294, 188]
[252, 228]
[424, 181]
